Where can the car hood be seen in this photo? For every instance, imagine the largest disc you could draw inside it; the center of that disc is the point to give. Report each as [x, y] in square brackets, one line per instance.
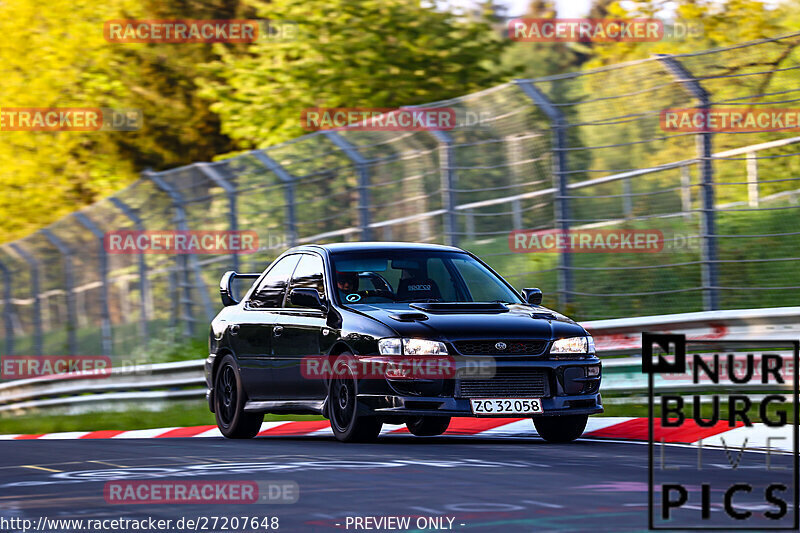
[466, 322]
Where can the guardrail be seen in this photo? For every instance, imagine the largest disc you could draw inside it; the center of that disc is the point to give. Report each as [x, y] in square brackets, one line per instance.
[167, 381]
[616, 340]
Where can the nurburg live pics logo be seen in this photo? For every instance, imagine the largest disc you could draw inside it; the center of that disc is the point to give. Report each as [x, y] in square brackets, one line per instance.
[757, 491]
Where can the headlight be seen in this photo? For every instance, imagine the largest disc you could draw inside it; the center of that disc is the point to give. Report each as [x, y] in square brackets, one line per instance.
[572, 345]
[390, 347]
[411, 347]
[423, 347]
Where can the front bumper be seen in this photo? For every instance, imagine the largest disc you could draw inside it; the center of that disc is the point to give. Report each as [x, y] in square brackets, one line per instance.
[566, 387]
[399, 406]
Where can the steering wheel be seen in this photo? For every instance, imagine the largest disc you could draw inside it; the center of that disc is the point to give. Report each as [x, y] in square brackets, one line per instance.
[379, 293]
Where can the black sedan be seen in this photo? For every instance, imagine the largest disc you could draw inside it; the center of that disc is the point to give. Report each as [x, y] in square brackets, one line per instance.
[367, 333]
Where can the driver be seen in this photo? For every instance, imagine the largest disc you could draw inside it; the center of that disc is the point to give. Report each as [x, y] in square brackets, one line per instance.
[347, 282]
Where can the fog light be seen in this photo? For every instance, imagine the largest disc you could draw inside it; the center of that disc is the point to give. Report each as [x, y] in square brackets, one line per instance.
[593, 371]
[398, 371]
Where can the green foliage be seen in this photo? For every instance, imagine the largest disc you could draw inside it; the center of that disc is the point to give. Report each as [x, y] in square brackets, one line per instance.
[58, 57]
[535, 60]
[55, 57]
[364, 53]
[681, 251]
[716, 24]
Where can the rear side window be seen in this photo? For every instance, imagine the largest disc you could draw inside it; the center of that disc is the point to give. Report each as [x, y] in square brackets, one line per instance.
[308, 274]
[272, 288]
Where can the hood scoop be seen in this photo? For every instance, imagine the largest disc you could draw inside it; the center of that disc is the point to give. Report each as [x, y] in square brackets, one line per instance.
[409, 317]
[545, 316]
[460, 308]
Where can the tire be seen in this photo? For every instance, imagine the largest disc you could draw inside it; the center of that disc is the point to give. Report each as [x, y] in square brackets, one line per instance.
[229, 400]
[428, 426]
[560, 429]
[343, 406]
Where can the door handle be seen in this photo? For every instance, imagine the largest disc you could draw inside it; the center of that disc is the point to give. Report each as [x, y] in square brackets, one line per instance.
[277, 330]
[234, 329]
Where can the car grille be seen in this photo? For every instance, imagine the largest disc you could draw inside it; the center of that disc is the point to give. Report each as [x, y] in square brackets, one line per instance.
[513, 347]
[508, 383]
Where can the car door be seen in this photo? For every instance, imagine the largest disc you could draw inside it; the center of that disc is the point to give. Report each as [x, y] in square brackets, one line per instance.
[252, 335]
[301, 345]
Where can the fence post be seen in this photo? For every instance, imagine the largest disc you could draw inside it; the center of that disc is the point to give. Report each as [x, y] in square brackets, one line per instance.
[230, 192]
[469, 223]
[69, 285]
[516, 214]
[362, 164]
[107, 340]
[513, 158]
[144, 286]
[37, 309]
[8, 319]
[447, 162]
[186, 262]
[559, 125]
[627, 199]
[752, 180]
[288, 182]
[704, 154]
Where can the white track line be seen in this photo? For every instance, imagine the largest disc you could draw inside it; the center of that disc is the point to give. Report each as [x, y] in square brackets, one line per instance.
[142, 433]
[67, 435]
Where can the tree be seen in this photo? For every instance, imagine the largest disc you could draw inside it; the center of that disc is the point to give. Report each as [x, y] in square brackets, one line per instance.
[714, 24]
[347, 53]
[57, 57]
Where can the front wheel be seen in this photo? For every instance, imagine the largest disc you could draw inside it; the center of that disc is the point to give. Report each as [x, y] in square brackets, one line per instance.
[560, 428]
[428, 426]
[343, 406]
[229, 400]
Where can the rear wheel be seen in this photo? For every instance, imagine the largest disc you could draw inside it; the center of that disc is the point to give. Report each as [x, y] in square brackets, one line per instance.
[560, 428]
[428, 426]
[343, 406]
[229, 400]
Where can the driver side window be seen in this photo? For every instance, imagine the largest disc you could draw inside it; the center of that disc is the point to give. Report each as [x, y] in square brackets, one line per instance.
[271, 290]
[308, 274]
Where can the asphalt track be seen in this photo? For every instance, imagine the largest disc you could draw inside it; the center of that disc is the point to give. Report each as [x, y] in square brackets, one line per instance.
[483, 484]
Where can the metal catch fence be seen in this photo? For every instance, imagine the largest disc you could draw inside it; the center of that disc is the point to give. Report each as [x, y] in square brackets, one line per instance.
[586, 150]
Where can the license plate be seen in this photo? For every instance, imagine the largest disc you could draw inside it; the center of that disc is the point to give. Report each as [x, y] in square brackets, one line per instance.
[506, 406]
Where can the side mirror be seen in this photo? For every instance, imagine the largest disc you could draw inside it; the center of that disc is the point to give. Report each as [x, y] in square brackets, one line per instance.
[225, 289]
[305, 297]
[533, 296]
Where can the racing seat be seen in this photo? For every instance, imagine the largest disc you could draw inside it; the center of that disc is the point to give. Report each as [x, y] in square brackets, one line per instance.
[418, 289]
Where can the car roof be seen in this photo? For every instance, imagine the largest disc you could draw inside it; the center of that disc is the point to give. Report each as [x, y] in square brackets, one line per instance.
[370, 246]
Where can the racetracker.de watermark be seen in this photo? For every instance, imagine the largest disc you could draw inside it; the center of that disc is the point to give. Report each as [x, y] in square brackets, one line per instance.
[598, 30]
[378, 119]
[200, 492]
[696, 120]
[585, 30]
[586, 241]
[199, 31]
[399, 367]
[180, 242]
[69, 119]
[54, 366]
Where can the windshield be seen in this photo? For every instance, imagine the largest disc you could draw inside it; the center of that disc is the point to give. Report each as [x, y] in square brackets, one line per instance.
[399, 276]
